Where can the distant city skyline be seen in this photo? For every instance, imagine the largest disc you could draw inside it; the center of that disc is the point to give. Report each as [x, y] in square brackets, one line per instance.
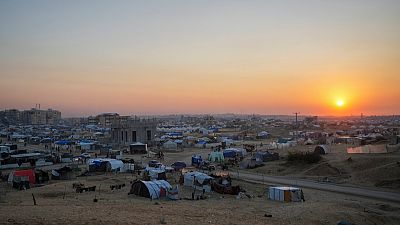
[84, 58]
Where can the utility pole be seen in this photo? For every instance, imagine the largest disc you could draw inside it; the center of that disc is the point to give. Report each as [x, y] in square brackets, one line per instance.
[297, 126]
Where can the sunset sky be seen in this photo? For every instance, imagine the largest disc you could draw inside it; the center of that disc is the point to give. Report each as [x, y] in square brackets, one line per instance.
[161, 57]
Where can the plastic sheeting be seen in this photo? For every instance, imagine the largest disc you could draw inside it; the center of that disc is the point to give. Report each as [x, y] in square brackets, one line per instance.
[115, 163]
[285, 194]
[216, 157]
[155, 187]
[368, 149]
[198, 180]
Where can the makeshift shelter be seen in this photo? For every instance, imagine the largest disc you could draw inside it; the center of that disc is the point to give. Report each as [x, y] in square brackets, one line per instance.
[138, 148]
[150, 189]
[266, 156]
[178, 165]
[285, 194]
[22, 179]
[233, 152]
[41, 176]
[228, 153]
[64, 173]
[216, 157]
[196, 160]
[247, 164]
[156, 173]
[173, 194]
[63, 142]
[263, 135]
[86, 145]
[46, 140]
[170, 145]
[321, 149]
[106, 165]
[197, 180]
[250, 163]
[368, 149]
[66, 158]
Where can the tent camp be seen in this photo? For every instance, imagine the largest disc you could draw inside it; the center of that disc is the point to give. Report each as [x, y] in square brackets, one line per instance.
[216, 157]
[197, 180]
[150, 189]
[321, 149]
[285, 194]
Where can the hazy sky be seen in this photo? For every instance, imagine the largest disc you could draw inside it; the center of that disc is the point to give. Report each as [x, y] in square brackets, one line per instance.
[159, 57]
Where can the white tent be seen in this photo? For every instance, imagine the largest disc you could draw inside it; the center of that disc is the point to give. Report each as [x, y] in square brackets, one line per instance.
[151, 189]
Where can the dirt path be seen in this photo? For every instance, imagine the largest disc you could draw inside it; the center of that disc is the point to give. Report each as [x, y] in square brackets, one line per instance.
[357, 191]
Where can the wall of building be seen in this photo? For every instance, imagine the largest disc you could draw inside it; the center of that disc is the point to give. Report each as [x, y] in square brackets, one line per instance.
[123, 131]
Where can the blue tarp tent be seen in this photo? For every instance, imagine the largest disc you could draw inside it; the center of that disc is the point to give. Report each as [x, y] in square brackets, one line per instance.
[202, 142]
[232, 152]
[63, 142]
[196, 159]
[229, 153]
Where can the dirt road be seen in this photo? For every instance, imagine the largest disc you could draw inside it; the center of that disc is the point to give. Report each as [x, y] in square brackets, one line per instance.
[357, 191]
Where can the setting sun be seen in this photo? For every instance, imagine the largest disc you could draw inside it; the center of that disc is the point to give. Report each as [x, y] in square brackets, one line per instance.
[339, 103]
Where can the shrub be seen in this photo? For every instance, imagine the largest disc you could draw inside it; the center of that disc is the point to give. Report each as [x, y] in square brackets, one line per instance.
[306, 157]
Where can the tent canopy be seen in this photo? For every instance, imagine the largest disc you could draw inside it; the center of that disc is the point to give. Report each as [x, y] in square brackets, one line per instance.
[321, 149]
[63, 142]
[150, 189]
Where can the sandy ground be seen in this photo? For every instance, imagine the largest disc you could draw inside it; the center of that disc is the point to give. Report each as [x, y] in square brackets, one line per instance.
[116, 207]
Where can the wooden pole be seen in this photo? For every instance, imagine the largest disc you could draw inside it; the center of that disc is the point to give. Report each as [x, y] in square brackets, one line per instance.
[65, 190]
[34, 200]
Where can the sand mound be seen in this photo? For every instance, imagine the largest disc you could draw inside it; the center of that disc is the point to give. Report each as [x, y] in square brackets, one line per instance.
[324, 169]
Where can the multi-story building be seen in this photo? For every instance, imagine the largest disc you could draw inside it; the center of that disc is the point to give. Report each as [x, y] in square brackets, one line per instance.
[36, 116]
[12, 116]
[53, 116]
[33, 116]
[92, 120]
[105, 119]
[129, 130]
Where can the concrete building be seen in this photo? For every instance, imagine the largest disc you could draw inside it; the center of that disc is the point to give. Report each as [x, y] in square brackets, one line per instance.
[31, 117]
[53, 116]
[92, 120]
[12, 116]
[105, 119]
[129, 130]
